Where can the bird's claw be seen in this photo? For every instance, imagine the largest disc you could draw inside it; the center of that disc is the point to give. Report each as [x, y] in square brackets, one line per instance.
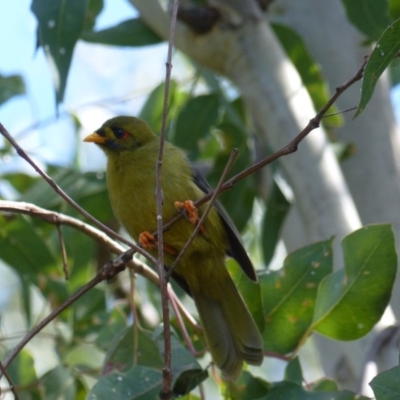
[191, 212]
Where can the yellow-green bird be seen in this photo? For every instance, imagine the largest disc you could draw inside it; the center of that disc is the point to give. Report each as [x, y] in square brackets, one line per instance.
[132, 151]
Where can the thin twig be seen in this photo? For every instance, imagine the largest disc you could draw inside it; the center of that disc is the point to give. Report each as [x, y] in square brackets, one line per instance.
[340, 112]
[166, 390]
[8, 377]
[63, 252]
[182, 326]
[132, 305]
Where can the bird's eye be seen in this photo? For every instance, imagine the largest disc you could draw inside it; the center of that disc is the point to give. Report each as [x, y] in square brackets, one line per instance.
[120, 133]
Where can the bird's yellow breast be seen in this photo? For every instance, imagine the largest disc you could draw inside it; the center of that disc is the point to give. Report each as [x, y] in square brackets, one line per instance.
[131, 179]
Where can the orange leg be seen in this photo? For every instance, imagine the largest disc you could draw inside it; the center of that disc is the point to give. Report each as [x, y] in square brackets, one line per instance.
[147, 240]
[191, 212]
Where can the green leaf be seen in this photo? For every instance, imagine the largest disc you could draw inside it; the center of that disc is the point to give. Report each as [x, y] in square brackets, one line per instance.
[60, 23]
[274, 217]
[188, 380]
[293, 372]
[291, 391]
[239, 200]
[24, 248]
[94, 9]
[194, 122]
[132, 32]
[11, 86]
[383, 53]
[386, 386]
[249, 387]
[86, 311]
[22, 369]
[152, 110]
[121, 353]
[352, 300]
[59, 383]
[187, 372]
[88, 189]
[371, 17]
[325, 385]
[309, 71]
[394, 8]
[249, 290]
[289, 295]
[138, 383]
[111, 328]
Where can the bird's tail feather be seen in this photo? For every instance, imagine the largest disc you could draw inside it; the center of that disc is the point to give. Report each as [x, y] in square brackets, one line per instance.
[232, 335]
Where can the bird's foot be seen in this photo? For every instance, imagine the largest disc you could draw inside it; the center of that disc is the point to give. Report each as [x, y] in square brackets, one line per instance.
[147, 240]
[191, 212]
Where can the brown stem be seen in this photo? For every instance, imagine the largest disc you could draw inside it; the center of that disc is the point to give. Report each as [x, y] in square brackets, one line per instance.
[166, 390]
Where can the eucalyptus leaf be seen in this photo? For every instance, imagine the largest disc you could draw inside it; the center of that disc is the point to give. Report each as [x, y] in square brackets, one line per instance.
[132, 32]
[382, 55]
[249, 290]
[352, 300]
[289, 295]
[11, 86]
[194, 122]
[309, 71]
[371, 17]
[386, 385]
[293, 372]
[138, 383]
[274, 217]
[291, 391]
[60, 24]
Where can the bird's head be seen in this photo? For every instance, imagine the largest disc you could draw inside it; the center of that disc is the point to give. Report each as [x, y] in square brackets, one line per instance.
[121, 133]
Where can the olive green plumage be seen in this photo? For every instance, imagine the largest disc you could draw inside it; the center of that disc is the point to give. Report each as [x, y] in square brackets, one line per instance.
[132, 151]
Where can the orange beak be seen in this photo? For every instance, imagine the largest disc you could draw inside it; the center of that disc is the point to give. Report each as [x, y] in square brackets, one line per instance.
[95, 138]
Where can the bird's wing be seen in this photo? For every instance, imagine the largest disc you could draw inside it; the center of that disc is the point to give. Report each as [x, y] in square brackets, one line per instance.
[236, 248]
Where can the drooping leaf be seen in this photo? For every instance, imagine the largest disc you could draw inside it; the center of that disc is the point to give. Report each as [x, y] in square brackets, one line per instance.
[88, 189]
[250, 387]
[249, 290]
[22, 369]
[274, 217]
[291, 391]
[94, 9]
[59, 383]
[309, 71]
[383, 53]
[289, 295]
[386, 385]
[11, 86]
[132, 32]
[121, 353]
[152, 109]
[293, 372]
[352, 300]
[238, 201]
[187, 372]
[195, 121]
[60, 24]
[371, 17]
[138, 383]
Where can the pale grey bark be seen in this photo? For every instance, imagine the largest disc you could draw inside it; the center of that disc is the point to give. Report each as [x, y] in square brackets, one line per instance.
[373, 172]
